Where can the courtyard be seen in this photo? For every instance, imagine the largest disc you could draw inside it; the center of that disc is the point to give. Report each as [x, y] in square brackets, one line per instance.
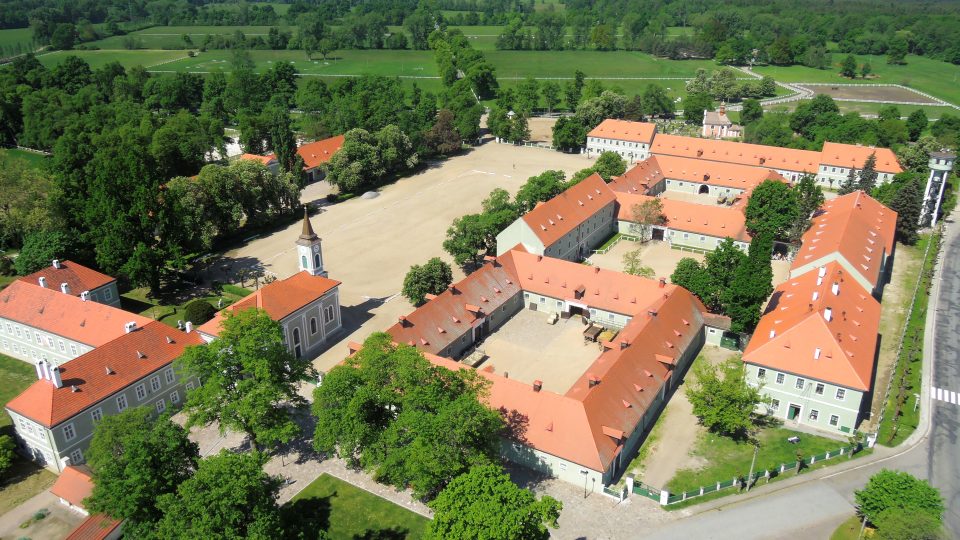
[369, 244]
[529, 349]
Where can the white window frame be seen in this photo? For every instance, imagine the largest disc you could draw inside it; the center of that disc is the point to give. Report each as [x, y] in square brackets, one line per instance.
[814, 415]
[175, 397]
[69, 432]
[155, 383]
[141, 391]
[76, 457]
[329, 314]
[108, 294]
[73, 349]
[189, 386]
[96, 414]
[761, 373]
[834, 420]
[168, 375]
[841, 394]
[161, 405]
[800, 383]
[122, 402]
[774, 404]
[819, 389]
[780, 378]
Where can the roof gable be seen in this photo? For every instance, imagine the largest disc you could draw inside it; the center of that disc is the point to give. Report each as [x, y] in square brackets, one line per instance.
[625, 130]
[78, 277]
[855, 156]
[553, 219]
[319, 152]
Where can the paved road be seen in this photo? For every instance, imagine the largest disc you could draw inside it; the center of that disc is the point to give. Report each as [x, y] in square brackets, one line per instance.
[943, 448]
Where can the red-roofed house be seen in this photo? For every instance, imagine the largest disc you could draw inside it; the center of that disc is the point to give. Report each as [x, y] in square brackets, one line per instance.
[687, 224]
[658, 174]
[316, 154]
[97, 527]
[270, 161]
[55, 416]
[567, 226]
[590, 431]
[856, 231]
[42, 323]
[630, 140]
[306, 304]
[78, 280]
[73, 486]
[815, 348]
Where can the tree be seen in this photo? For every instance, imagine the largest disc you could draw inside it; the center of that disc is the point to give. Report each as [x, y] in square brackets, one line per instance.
[694, 105]
[536, 189]
[897, 50]
[809, 197]
[866, 69]
[867, 178]
[849, 184]
[656, 102]
[431, 278]
[722, 400]
[485, 503]
[283, 142]
[751, 111]
[692, 276]
[550, 90]
[198, 311]
[250, 379]
[916, 123]
[752, 283]
[389, 410]
[895, 490]
[609, 165]
[26, 204]
[466, 239]
[39, 249]
[64, 37]
[528, 96]
[645, 215]
[568, 134]
[897, 524]
[230, 496]
[443, 137]
[135, 460]
[848, 68]
[7, 455]
[633, 265]
[519, 129]
[907, 204]
[772, 208]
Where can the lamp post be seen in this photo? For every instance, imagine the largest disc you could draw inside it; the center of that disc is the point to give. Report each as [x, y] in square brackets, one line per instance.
[585, 476]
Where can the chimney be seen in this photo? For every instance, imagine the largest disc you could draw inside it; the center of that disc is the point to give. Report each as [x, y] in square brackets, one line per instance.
[835, 288]
[773, 334]
[828, 314]
[452, 288]
[652, 313]
[663, 282]
[74, 388]
[593, 381]
[189, 327]
[624, 344]
[42, 281]
[65, 288]
[140, 355]
[539, 258]
[39, 366]
[108, 370]
[596, 269]
[56, 263]
[816, 353]
[131, 326]
[55, 377]
[822, 272]
[506, 375]
[537, 385]
[85, 295]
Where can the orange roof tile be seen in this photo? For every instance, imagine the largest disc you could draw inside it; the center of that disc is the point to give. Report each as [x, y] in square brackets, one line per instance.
[266, 160]
[822, 325]
[73, 485]
[65, 315]
[565, 212]
[855, 155]
[756, 155]
[319, 152]
[95, 527]
[78, 277]
[130, 357]
[279, 299]
[625, 130]
[857, 227]
[716, 221]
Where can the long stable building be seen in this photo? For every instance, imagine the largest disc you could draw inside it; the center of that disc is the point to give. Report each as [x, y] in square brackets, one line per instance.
[587, 433]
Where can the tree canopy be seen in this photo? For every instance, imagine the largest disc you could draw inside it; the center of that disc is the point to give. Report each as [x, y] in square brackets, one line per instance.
[721, 398]
[432, 278]
[772, 209]
[899, 491]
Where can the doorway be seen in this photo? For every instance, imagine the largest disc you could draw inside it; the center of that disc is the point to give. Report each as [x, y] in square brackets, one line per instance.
[704, 190]
[793, 412]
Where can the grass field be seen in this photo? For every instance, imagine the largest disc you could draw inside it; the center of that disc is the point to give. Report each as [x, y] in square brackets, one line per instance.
[347, 512]
[849, 530]
[10, 38]
[16, 375]
[934, 77]
[98, 59]
[726, 459]
[168, 312]
[30, 158]
[933, 113]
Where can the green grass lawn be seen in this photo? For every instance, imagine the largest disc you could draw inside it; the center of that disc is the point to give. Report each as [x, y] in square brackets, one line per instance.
[12, 37]
[934, 77]
[16, 376]
[726, 459]
[347, 512]
[167, 312]
[30, 158]
[849, 530]
[98, 59]
[933, 112]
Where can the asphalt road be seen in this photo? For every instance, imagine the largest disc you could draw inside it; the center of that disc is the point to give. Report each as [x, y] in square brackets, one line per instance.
[943, 449]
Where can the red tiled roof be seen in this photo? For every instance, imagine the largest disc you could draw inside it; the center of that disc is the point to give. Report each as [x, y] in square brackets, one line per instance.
[319, 152]
[279, 299]
[266, 160]
[130, 357]
[78, 277]
[710, 220]
[855, 155]
[65, 315]
[73, 485]
[95, 527]
[565, 212]
[857, 227]
[819, 326]
[624, 130]
[736, 152]
[654, 169]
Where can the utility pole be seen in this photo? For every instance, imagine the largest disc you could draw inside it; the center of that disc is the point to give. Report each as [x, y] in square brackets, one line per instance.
[756, 449]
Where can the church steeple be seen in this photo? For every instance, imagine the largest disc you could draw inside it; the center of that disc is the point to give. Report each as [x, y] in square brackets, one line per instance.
[309, 249]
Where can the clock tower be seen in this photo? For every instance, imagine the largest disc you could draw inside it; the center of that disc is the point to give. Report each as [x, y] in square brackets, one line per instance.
[309, 251]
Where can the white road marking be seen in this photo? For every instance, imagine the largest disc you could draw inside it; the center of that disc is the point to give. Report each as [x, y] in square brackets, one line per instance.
[953, 397]
[946, 396]
[939, 393]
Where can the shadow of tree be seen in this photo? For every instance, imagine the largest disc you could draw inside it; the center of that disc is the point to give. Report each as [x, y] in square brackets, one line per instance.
[393, 533]
[305, 518]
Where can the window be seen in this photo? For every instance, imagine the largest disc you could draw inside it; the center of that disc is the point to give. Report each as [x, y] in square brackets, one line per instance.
[819, 389]
[161, 405]
[761, 373]
[38, 335]
[800, 383]
[313, 325]
[774, 404]
[155, 383]
[49, 342]
[189, 386]
[6, 344]
[60, 344]
[76, 457]
[303, 261]
[9, 328]
[141, 392]
[841, 393]
[108, 294]
[834, 420]
[328, 314]
[97, 414]
[73, 349]
[175, 397]
[121, 403]
[814, 414]
[168, 375]
[69, 433]
[779, 378]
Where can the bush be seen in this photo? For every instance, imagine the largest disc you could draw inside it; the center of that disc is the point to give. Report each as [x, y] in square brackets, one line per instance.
[199, 311]
[6, 266]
